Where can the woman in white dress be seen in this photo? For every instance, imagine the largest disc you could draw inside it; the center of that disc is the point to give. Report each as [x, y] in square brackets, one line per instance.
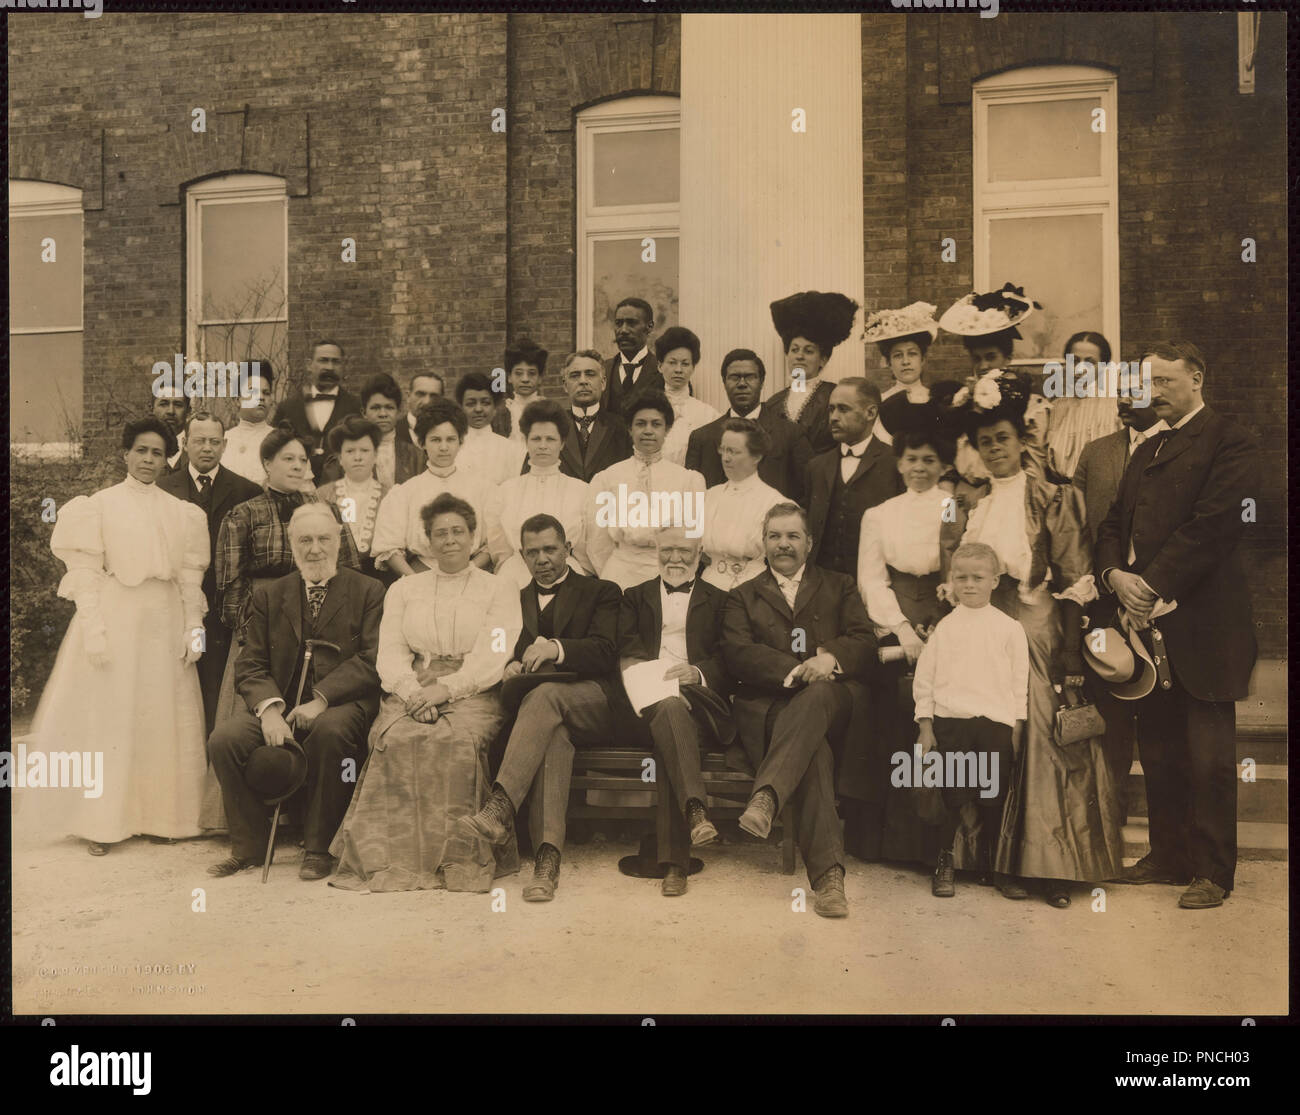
[1079, 419]
[678, 352]
[525, 363]
[734, 509]
[542, 489]
[401, 544]
[124, 686]
[630, 500]
[354, 443]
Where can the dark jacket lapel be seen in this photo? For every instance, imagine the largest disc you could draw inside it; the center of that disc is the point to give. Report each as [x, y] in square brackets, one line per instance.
[599, 431]
[871, 457]
[337, 594]
[653, 629]
[808, 586]
[1179, 441]
[531, 612]
[566, 602]
[765, 584]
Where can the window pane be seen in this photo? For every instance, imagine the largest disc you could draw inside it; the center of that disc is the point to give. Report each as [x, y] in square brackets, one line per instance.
[636, 168]
[1058, 260]
[246, 342]
[243, 259]
[619, 273]
[1035, 140]
[45, 295]
[45, 387]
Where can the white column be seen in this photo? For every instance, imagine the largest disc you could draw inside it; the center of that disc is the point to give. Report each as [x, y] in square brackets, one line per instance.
[767, 210]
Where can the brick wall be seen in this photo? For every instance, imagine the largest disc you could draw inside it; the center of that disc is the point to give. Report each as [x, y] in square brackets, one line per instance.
[1201, 167]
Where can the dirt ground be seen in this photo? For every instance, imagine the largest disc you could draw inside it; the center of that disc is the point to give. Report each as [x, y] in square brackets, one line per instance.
[119, 934]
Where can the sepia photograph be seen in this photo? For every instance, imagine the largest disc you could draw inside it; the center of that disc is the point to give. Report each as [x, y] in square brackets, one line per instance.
[534, 511]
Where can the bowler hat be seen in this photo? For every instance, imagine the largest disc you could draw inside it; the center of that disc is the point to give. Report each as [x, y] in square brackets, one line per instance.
[276, 773]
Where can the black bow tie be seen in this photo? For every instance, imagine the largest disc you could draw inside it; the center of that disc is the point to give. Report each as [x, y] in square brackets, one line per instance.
[849, 453]
[684, 587]
[547, 591]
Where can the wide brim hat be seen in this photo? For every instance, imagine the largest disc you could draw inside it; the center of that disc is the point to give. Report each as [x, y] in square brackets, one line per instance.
[826, 319]
[994, 311]
[276, 773]
[908, 321]
[998, 394]
[1124, 663]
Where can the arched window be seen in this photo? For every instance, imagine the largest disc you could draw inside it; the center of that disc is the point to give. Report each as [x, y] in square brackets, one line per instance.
[237, 238]
[46, 280]
[1046, 199]
[629, 212]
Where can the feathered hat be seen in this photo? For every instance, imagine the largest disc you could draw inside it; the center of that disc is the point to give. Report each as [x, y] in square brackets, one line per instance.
[1001, 393]
[825, 319]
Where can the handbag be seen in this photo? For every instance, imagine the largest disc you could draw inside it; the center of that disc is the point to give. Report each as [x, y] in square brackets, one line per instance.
[1077, 722]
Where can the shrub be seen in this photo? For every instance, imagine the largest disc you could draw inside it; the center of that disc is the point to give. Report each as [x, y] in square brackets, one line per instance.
[39, 619]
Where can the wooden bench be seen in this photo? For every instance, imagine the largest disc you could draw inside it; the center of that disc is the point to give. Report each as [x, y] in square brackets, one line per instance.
[620, 769]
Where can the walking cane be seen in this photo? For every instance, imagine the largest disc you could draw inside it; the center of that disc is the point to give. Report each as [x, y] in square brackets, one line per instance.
[309, 647]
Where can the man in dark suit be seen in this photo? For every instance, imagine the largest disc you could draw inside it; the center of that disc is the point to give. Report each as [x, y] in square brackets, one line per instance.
[570, 624]
[859, 473]
[798, 642]
[635, 368]
[172, 407]
[425, 386]
[322, 406]
[785, 466]
[1172, 536]
[599, 436]
[678, 617]
[318, 601]
[1097, 475]
[216, 490]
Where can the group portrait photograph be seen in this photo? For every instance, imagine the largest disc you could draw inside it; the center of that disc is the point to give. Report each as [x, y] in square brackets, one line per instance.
[649, 512]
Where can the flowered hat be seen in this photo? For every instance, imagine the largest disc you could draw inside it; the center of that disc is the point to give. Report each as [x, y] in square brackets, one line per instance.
[825, 319]
[995, 311]
[910, 321]
[1001, 393]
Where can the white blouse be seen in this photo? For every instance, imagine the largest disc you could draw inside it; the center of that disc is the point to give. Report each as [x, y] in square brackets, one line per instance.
[999, 521]
[436, 615]
[631, 548]
[243, 452]
[516, 405]
[496, 457]
[689, 413]
[132, 532]
[538, 491]
[398, 526]
[733, 530]
[902, 532]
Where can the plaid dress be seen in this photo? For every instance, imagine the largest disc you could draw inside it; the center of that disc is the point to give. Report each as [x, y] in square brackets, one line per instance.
[254, 543]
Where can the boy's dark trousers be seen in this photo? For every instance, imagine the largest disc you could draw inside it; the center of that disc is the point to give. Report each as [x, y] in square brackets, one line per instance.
[975, 734]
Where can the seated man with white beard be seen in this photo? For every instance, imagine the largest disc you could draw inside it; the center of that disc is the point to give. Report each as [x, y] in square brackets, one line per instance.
[337, 611]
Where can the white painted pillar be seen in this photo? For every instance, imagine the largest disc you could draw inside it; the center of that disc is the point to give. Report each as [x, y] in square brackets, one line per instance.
[767, 210]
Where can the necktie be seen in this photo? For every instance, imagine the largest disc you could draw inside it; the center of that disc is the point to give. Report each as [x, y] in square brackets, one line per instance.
[686, 586]
[628, 371]
[1159, 442]
[789, 589]
[205, 491]
[315, 598]
[584, 429]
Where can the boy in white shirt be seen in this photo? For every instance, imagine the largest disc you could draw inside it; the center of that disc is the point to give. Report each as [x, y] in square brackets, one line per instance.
[971, 691]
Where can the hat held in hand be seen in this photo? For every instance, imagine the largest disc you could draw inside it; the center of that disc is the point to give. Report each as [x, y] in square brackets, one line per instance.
[276, 773]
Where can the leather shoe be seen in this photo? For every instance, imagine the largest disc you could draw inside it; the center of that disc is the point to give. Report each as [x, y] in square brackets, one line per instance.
[1146, 870]
[674, 883]
[315, 865]
[703, 833]
[1203, 895]
[942, 885]
[1009, 887]
[828, 891]
[230, 866]
[95, 848]
[546, 875]
[759, 814]
[494, 821]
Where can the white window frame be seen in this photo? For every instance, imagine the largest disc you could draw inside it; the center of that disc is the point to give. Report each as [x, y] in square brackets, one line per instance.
[32, 198]
[616, 222]
[228, 189]
[1059, 196]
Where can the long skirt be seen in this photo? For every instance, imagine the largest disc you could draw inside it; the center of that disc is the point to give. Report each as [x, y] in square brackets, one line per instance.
[212, 812]
[1061, 815]
[141, 714]
[400, 831]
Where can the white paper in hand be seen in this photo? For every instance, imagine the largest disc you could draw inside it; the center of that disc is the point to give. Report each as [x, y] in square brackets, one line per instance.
[645, 683]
